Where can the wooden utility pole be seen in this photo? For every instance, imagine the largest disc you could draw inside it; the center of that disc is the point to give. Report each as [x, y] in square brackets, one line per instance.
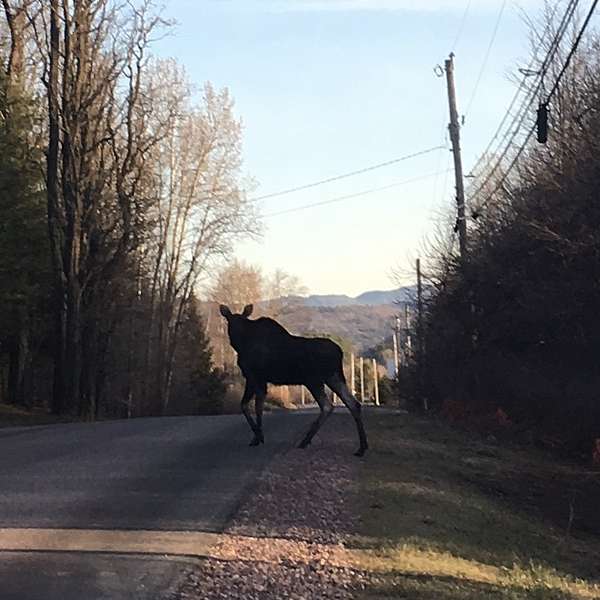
[395, 338]
[454, 128]
[420, 340]
[408, 348]
[362, 380]
[376, 382]
[419, 310]
[352, 376]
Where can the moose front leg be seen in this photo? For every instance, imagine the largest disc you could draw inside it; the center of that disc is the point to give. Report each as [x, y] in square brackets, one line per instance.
[249, 392]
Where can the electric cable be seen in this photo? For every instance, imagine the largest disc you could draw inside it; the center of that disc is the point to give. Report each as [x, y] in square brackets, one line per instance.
[524, 109]
[346, 175]
[486, 56]
[554, 89]
[350, 196]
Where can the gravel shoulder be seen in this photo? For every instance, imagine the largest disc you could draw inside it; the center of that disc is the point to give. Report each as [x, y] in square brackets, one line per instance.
[431, 512]
[289, 540]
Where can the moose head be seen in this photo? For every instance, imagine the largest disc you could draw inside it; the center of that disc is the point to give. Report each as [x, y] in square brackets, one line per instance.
[236, 323]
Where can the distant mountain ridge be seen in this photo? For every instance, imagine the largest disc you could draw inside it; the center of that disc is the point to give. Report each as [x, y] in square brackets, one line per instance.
[363, 325]
[370, 298]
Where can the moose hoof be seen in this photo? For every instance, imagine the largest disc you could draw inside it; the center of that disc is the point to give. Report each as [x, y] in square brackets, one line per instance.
[258, 439]
[304, 444]
[360, 452]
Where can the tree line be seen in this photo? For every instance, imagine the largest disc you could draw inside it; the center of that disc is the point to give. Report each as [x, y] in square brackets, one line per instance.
[513, 328]
[121, 190]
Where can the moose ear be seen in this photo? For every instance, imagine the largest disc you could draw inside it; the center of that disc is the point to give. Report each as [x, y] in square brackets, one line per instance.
[225, 311]
[247, 310]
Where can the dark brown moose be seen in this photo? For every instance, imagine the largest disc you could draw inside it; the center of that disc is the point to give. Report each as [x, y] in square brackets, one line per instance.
[268, 353]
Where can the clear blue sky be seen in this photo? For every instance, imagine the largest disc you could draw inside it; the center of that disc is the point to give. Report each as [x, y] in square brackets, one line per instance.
[330, 86]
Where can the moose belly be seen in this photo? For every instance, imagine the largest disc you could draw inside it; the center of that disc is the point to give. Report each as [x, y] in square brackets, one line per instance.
[289, 368]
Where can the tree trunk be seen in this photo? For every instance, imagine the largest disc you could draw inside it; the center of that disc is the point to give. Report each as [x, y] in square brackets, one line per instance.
[55, 217]
[17, 364]
[16, 21]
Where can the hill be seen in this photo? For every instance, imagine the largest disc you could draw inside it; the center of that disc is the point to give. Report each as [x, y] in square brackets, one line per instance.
[365, 320]
[370, 298]
[363, 325]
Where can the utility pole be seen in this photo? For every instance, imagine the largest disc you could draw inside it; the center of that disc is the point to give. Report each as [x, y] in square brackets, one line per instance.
[352, 376]
[454, 129]
[376, 382]
[362, 380]
[222, 336]
[420, 340]
[397, 348]
[419, 311]
[408, 349]
[302, 398]
[395, 338]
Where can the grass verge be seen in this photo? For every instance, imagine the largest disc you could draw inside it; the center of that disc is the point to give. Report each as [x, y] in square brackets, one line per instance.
[447, 515]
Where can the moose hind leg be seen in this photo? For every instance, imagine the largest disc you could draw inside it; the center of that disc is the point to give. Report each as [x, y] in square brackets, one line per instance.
[261, 392]
[338, 385]
[249, 392]
[326, 406]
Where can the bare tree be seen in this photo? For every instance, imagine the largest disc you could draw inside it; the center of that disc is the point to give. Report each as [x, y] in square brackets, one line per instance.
[95, 52]
[281, 291]
[200, 210]
[144, 193]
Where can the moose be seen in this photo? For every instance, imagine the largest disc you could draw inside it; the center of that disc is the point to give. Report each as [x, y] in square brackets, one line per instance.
[268, 353]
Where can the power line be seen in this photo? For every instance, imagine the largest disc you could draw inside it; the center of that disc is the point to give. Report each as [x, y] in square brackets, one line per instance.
[350, 196]
[487, 55]
[462, 24]
[484, 205]
[554, 89]
[522, 113]
[530, 94]
[345, 175]
[573, 49]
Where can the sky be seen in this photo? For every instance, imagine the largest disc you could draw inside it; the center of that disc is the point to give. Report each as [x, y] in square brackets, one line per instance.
[327, 87]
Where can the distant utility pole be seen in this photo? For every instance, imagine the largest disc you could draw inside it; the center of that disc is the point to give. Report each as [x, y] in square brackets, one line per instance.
[408, 348]
[420, 337]
[454, 129]
[222, 336]
[362, 380]
[395, 338]
[419, 310]
[376, 382]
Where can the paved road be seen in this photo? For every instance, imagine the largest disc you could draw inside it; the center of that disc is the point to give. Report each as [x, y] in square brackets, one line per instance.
[57, 576]
[171, 474]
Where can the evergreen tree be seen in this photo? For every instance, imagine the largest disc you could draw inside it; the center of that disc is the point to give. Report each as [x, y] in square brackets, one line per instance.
[198, 389]
[24, 266]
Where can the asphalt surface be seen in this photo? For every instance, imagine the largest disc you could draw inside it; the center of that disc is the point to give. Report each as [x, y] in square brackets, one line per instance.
[58, 576]
[170, 474]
